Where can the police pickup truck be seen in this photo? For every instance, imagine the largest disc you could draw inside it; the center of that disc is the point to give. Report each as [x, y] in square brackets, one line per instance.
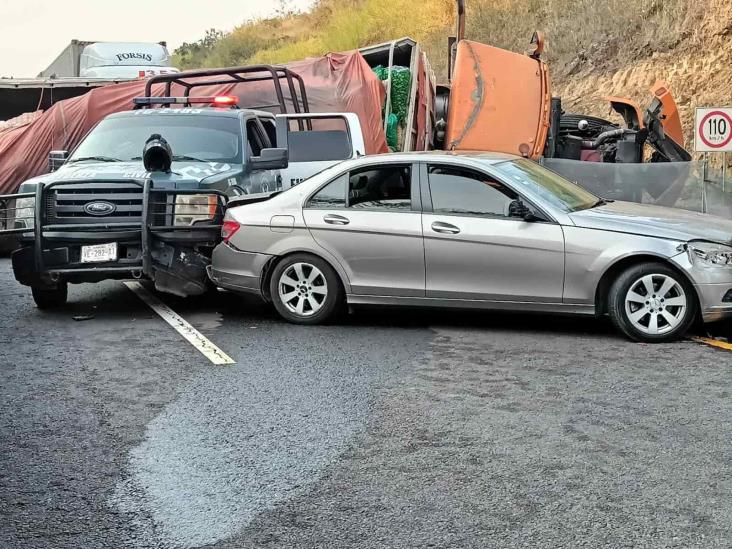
[143, 194]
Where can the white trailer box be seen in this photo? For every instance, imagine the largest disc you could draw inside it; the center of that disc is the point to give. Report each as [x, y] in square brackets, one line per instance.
[124, 60]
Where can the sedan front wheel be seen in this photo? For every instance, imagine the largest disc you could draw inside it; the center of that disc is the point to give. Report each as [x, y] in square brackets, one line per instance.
[653, 303]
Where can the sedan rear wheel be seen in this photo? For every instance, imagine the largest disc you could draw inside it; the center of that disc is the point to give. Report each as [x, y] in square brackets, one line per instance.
[305, 289]
[652, 303]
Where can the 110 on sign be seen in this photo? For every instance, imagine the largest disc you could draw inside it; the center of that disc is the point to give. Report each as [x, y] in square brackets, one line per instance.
[713, 129]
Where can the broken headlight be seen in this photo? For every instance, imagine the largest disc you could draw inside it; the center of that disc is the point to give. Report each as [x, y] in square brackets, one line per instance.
[25, 213]
[710, 254]
[192, 208]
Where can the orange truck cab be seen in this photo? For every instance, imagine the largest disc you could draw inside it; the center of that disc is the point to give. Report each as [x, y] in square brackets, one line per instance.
[501, 101]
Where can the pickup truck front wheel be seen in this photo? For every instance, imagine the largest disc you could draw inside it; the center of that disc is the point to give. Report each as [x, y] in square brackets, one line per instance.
[50, 298]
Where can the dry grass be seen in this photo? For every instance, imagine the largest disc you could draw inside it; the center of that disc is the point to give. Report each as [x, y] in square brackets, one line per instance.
[598, 33]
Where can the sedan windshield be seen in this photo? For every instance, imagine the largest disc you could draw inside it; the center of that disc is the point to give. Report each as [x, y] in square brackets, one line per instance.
[551, 187]
[192, 138]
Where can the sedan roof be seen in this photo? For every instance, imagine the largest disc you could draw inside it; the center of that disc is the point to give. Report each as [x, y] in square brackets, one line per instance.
[483, 156]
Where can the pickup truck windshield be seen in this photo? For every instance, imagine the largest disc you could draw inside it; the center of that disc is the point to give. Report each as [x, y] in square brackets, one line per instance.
[207, 138]
[552, 187]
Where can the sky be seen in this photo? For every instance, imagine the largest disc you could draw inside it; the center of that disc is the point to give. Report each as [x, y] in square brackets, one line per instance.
[33, 32]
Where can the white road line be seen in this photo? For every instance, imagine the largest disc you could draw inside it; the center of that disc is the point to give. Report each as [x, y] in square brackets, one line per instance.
[193, 336]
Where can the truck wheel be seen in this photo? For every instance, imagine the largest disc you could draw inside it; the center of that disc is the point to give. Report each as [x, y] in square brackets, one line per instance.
[652, 303]
[305, 289]
[49, 298]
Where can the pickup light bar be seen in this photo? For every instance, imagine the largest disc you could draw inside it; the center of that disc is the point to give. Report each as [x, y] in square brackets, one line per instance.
[214, 100]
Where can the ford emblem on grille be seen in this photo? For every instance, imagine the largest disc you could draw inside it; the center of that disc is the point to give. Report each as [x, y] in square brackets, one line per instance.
[99, 207]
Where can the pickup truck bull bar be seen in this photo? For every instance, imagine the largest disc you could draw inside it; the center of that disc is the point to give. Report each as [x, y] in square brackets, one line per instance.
[157, 219]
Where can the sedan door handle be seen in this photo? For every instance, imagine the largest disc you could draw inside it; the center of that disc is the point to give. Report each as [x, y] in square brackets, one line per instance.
[336, 219]
[445, 228]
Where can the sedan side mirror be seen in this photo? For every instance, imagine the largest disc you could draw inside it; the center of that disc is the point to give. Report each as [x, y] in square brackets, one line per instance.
[56, 159]
[270, 159]
[518, 209]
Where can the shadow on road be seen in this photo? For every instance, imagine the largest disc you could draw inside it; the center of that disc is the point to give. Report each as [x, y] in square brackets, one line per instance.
[234, 308]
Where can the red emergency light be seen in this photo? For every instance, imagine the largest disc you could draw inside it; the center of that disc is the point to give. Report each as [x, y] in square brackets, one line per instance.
[216, 100]
[213, 100]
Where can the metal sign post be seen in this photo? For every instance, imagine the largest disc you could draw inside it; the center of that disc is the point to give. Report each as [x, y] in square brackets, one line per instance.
[713, 134]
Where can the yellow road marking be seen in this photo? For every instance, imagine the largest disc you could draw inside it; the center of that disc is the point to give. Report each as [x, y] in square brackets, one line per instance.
[713, 343]
[193, 336]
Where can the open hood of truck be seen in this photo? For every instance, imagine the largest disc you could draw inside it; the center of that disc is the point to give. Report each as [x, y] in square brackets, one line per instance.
[499, 101]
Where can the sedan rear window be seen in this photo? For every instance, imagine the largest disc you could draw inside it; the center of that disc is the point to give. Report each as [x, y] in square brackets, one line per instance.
[383, 187]
[372, 188]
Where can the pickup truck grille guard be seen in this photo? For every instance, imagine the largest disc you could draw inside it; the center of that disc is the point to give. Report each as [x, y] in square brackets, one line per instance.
[154, 219]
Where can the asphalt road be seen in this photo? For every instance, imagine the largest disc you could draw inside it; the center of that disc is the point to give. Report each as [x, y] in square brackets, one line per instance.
[393, 429]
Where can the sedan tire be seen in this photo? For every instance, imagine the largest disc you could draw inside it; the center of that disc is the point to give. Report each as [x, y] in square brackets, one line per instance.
[652, 303]
[305, 289]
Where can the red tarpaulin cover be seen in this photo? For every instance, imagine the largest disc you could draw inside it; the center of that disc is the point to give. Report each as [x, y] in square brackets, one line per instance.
[337, 82]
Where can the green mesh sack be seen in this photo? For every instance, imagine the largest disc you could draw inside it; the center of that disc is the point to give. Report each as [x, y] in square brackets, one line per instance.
[392, 138]
[401, 80]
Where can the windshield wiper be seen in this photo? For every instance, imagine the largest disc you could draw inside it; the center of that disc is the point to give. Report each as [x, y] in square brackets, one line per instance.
[600, 202]
[96, 158]
[188, 158]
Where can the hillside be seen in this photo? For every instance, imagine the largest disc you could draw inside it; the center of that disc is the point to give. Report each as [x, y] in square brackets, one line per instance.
[594, 47]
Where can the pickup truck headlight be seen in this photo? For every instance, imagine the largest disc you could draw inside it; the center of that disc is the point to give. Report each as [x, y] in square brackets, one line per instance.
[710, 254]
[25, 213]
[191, 208]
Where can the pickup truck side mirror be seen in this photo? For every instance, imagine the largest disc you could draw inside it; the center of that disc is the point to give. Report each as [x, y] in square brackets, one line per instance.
[269, 159]
[518, 209]
[56, 159]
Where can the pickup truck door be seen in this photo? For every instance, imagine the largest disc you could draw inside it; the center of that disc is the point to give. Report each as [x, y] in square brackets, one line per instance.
[259, 181]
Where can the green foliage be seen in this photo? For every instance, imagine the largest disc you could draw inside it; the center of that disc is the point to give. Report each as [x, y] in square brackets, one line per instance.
[194, 54]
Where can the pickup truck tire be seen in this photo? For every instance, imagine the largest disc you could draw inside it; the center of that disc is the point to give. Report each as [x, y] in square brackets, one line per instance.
[50, 298]
[652, 303]
[305, 289]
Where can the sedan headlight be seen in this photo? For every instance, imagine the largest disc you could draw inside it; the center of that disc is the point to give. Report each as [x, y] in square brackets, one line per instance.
[191, 208]
[710, 254]
[25, 213]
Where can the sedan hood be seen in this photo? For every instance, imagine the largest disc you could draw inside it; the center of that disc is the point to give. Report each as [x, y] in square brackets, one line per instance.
[644, 219]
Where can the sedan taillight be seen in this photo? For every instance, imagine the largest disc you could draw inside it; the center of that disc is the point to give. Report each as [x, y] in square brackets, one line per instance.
[228, 229]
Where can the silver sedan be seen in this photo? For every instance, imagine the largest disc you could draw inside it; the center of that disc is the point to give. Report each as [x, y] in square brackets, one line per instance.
[486, 231]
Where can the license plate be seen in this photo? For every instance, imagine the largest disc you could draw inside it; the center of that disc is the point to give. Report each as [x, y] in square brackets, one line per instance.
[99, 252]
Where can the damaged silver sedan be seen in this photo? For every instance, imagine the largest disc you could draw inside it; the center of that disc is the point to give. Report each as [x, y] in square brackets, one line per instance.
[487, 231]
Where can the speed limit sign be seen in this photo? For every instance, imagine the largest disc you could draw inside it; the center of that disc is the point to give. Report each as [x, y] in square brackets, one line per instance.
[713, 129]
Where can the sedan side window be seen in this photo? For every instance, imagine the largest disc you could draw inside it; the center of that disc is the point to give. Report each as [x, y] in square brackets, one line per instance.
[460, 191]
[333, 195]
[381, 188]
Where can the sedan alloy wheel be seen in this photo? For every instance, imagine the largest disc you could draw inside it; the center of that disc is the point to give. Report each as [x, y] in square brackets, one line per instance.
[303, 289]
[656, 304]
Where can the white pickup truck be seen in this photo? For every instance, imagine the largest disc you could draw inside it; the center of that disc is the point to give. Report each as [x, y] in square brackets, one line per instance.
[318, 140]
